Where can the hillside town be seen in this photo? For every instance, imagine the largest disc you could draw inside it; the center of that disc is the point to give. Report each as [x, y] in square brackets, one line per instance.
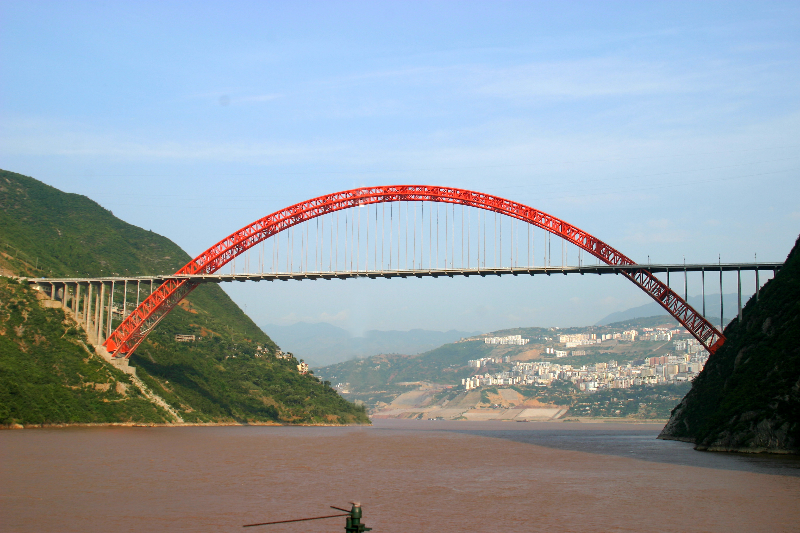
[683, 363]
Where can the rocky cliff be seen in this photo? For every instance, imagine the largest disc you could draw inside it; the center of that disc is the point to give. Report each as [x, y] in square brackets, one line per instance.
[747, 398]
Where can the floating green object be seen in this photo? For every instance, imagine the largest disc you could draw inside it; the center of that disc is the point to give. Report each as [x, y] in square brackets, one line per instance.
[354, 524]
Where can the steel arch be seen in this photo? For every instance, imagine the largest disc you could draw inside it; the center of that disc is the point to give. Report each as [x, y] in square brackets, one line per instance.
[133, 330]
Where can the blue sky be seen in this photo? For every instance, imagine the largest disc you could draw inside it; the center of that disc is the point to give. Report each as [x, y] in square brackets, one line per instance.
[667, 129]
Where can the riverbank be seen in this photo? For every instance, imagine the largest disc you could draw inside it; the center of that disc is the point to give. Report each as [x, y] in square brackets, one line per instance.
[462, 423]
[167, 425]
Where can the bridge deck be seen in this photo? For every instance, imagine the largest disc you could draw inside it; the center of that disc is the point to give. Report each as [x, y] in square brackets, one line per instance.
[435, 273]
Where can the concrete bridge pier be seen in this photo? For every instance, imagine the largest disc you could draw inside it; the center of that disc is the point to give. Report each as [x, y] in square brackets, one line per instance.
[119, 362]
[758, 285]
[76, 302]
[739, 276]
[101, 300]
[87, 321]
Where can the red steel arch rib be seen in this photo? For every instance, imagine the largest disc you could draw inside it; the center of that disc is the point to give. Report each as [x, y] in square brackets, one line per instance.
[133, 330]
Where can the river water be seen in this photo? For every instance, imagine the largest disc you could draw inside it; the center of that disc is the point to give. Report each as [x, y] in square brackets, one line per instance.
[409, 476]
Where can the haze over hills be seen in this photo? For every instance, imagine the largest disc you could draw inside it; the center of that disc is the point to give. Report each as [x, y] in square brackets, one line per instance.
[322, 344]
[230, 373]
[730, 306]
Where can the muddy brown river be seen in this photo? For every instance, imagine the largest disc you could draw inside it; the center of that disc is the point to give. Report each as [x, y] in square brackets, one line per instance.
[432, 476]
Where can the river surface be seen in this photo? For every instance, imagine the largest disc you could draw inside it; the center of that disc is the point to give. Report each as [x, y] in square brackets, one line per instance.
[435, 476]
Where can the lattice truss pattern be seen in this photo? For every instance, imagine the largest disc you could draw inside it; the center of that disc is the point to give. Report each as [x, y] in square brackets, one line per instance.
[403, 227]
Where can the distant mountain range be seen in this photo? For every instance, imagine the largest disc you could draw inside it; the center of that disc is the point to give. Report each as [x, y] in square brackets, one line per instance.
[730, 305]
[323, 344]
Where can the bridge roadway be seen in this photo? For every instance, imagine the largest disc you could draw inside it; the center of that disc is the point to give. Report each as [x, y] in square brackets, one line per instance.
[435, 273]
[92, 300]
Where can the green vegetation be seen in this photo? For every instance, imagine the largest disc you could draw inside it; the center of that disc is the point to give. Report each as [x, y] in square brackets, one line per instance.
[643, 401]
[222, 377]
[48, 374]
[485, 394]
[747, 398]
[226, 377]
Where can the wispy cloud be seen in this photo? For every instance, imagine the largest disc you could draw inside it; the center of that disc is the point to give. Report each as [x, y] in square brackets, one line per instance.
[258, 98]
[40, 137]
[233, 96]
[569, 78]
[588, 78]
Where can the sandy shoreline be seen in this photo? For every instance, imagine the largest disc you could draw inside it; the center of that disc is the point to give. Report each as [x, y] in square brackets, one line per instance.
[582, 422]
[162, 425]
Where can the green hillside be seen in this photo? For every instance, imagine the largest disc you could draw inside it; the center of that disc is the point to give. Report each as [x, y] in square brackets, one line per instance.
[747, 398]
[219, 378]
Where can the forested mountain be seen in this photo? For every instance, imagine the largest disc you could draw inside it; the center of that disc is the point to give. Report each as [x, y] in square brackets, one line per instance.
[747, 398]
[222, 377]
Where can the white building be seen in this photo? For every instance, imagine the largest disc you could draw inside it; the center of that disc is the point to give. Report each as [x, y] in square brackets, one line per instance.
[511, 339]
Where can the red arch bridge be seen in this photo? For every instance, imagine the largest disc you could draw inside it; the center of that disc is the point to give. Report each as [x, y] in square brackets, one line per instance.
[386, 231]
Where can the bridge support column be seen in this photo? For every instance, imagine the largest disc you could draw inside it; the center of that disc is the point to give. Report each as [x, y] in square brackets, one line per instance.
[87, 299]
[100, 309]
[110, 312]
[74, 306]
[77, 302]
[758, 285]
[721, 308]
[87, 307]
[739, 276]
[685, 284]
[703, 283]
[124, 299]
[138, 286]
